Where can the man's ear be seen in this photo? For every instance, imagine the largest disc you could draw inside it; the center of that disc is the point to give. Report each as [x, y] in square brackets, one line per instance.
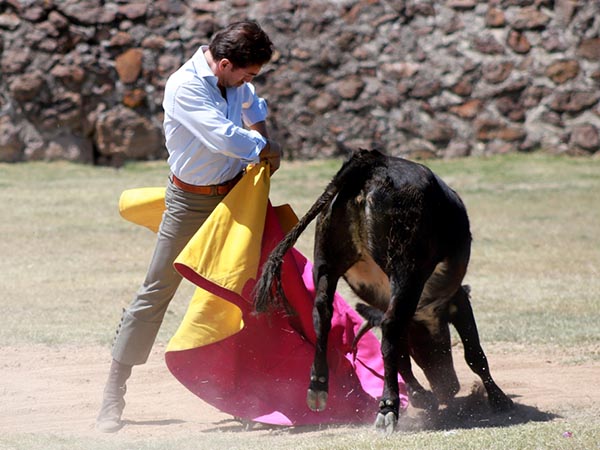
[224, 64]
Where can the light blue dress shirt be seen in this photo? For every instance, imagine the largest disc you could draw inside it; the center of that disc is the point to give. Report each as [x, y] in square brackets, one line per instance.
[205, 133]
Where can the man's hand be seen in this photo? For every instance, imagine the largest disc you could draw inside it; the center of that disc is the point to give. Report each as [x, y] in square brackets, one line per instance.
[272, 151]
[272, 154]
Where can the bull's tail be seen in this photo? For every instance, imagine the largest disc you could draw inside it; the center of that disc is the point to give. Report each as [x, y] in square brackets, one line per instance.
[268, 293]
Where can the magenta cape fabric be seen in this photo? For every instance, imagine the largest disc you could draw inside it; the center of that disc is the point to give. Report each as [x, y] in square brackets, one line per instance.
[262, 372]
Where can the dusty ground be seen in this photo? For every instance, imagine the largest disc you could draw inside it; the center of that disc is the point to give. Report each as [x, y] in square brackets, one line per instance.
[58, 391]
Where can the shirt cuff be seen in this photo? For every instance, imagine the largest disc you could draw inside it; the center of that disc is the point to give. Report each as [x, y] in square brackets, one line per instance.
[260, 142]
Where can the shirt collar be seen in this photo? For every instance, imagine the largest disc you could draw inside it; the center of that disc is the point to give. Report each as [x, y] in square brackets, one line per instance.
[201, 65]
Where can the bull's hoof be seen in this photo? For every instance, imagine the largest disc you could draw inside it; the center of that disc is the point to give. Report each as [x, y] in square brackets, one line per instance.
[497, 399]
[446, 391]
[424, 400]
[501, 403]
[386, 422]
[316, 400]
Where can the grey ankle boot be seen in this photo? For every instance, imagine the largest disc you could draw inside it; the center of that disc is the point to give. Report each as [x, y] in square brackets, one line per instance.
[113, 403]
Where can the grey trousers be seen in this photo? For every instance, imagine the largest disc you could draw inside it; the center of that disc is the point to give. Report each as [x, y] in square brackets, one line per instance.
[141, 320]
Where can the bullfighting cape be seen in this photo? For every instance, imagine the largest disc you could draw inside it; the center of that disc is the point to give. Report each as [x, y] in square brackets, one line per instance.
[257, 367]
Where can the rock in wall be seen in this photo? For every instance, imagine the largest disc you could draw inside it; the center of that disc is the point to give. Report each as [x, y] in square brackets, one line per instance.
[83, 80]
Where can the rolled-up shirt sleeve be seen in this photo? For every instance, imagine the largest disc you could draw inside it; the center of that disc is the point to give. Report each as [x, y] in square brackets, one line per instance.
[205, 116]
[254, 108]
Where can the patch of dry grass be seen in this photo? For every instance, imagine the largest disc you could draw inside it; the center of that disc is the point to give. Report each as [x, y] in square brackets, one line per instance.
[70, 262]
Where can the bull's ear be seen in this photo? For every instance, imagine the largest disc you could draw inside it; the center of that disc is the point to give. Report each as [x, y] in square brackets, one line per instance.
[467, 289]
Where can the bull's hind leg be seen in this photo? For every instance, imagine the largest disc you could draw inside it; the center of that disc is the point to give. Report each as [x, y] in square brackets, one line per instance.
[334, 253]
[464, 322]
[405, 294]
[316, 397]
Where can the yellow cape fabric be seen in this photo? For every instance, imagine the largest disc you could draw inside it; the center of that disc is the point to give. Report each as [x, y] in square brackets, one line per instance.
[208, 319]
[233, 232]
[226, 249]
[143, 206]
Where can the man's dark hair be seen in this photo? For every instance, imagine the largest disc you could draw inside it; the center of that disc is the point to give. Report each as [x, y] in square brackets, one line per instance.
[243, 43]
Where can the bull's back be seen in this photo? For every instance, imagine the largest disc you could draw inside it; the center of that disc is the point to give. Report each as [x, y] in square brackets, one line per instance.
[403, 215]
[384, 212]
[443, 214]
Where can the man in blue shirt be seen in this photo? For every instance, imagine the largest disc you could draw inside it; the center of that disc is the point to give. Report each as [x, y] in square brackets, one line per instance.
[214, 127]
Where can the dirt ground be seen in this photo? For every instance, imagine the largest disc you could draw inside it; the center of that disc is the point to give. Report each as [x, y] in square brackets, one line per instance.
[58, 391]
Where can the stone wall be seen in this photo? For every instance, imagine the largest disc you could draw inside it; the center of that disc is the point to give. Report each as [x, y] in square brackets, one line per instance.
[83, 80]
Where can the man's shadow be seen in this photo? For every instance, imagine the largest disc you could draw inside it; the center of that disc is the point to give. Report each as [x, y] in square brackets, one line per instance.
[160, 422]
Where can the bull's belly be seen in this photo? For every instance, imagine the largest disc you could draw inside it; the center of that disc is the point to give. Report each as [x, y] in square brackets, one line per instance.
[369, 282]
[372, 285]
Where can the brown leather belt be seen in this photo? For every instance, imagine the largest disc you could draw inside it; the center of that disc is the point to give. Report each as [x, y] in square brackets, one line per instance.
[212, 189]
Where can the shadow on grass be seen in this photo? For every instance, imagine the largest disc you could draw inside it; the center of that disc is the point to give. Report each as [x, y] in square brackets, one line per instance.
[471, 411]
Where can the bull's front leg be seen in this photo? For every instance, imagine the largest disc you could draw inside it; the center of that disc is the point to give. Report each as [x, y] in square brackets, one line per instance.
[316, 397]
[464, 322]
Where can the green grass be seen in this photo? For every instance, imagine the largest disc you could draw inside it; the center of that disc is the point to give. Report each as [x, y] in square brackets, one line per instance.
[70, 263]
[534, 270]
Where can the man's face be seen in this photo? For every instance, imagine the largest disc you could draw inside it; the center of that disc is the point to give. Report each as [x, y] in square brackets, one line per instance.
[232, 76]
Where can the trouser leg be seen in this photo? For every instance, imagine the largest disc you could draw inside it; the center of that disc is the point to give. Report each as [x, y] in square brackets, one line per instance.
[184, 215]
[142, 319]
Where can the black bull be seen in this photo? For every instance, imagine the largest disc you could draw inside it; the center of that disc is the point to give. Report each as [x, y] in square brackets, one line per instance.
[400, 237]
